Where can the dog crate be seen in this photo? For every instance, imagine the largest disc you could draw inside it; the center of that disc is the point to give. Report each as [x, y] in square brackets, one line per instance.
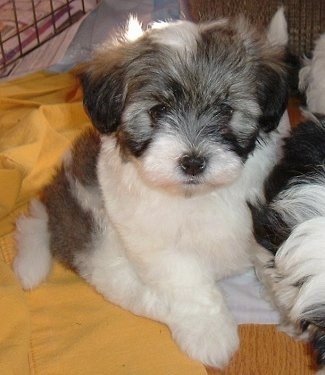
[27, 24]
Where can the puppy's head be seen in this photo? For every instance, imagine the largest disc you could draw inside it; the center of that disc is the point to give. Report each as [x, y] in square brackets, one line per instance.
[186, 102]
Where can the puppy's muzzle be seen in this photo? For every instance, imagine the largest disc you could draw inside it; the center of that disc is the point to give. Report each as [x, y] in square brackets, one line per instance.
[192, 164]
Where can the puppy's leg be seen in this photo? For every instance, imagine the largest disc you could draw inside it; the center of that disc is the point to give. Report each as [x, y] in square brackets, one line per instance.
[170, 288]
[109, 270]
[202, 325]
[295, 276]
[199, 319]
[33, 261]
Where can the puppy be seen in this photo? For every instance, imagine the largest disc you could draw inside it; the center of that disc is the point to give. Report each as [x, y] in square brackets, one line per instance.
[290, 223]
[150, 206]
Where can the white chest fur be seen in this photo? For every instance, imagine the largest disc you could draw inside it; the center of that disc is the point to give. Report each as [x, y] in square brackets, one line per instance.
[213, 227]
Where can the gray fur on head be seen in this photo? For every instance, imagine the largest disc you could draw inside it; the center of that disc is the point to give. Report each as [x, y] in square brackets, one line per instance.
[213, 83]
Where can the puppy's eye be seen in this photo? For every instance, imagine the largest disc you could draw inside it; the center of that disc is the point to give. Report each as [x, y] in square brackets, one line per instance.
[226, 109]
[157, 111]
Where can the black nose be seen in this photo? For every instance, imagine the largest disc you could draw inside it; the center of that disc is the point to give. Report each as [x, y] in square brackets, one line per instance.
[192, 164]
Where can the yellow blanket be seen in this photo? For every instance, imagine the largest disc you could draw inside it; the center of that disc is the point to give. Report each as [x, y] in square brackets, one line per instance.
[63, 327]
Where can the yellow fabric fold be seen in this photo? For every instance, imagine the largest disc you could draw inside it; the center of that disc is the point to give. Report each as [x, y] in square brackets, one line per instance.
[64, 326]
[39, 117]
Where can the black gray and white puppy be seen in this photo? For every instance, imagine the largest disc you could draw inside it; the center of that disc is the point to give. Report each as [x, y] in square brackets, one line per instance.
[150, 206]
[290, 223]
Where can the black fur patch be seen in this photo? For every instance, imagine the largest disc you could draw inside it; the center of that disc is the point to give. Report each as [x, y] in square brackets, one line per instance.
[270, 230]
[70, 226]
[103, 99]
[318, 346]
[272, 96]
[304, 156]
[84, 158]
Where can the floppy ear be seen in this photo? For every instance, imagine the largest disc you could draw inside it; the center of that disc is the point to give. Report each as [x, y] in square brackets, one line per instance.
[104, 80]
[273, 74]
[103, 96]
[272, 93]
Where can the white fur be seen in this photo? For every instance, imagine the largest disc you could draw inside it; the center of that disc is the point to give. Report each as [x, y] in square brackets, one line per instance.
[33, 261]
[278, 29]
[307, 238]
[133, 30]
[296, 279]
[296, 205]
[181, 36]
[161, 166]
[166, 267]
[265, 158]
[312, 78]
[292, 266]
[165, 272]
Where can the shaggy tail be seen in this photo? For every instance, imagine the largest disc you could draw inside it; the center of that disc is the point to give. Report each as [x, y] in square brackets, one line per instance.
[34, 260]
[299, 281]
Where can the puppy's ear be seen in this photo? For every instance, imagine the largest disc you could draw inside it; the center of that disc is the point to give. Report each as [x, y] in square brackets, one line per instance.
[103, 91]
[272, 93]
[277, 32]
[103, 79]
[272, 74]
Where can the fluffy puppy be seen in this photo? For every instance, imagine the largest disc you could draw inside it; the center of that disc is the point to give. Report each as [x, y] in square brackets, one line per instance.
[150, 206]
[290, 224]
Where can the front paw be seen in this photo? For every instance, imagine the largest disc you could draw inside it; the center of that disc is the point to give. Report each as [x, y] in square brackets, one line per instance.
[211, 340]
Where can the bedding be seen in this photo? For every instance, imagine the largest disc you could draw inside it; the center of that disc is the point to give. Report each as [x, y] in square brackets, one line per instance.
[63, 327]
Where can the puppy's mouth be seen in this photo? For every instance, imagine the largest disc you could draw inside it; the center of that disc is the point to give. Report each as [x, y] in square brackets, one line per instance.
[193, 186]
[193, 181]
